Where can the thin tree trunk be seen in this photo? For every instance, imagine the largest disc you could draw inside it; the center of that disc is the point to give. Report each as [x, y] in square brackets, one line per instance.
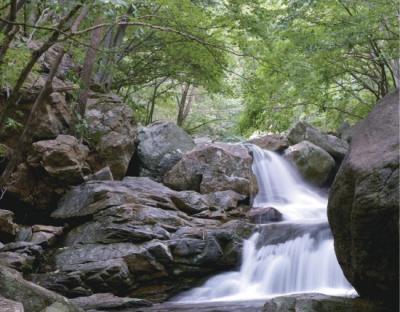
[106, 75]
[88, 66]
[181, 105]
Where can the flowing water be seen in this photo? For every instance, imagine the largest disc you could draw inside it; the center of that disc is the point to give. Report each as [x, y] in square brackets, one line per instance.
[305, 262]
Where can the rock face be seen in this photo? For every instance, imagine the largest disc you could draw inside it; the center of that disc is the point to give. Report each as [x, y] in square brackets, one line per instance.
[161, 146]
[7, 305]
[363, 207]
[314, 164]
[302, 131]
[8, 229]
[53, 165]
[112, 129]
[33, 297]
[107, 301]
[272, 142]
[63, 158]
[264, 215]
[320, 303]
[133, 239]
[214, 167]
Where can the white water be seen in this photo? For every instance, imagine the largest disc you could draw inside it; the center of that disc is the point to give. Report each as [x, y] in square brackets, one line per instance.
[303, 264]
[281, 187]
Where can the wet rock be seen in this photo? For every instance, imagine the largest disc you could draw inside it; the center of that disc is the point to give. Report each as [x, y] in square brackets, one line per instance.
[277, 233]
[112, 130]
[314, 164]
[135, 239]
[363, 208]
[264, 215]
[302, 131]
[33, 297]
[225, 306]
[8, 229]
[320, 303]
[272, 142]
[193, 203]
[93, 196]
[7, 305]
[107, 301]
[214, 167]
[161, 146]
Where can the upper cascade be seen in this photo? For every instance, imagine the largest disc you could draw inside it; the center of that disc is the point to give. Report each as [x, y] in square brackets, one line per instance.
[281, 187]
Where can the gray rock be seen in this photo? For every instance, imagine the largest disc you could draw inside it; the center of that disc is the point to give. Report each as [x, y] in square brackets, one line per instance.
[17, 261]
[214, 167]
[112, 128]
[363, 208]
[225, 306]
[272, 142]
[302, 131]
[161, 146]
[8, 229]
[103, 174]
[7, 305]
[314, 164]
[135, 239]
[45, 235]
[264, 215]
[33, 297]
[107, 301]
[320, 303]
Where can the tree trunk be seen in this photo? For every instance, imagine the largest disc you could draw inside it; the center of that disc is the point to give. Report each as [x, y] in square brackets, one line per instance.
[88, 66]
[116, 43]
[184, 104]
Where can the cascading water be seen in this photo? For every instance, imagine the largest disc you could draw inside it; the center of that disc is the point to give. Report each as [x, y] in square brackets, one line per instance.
[303, 262]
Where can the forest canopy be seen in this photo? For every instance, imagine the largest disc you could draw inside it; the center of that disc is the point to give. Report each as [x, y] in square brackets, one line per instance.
[218, 67]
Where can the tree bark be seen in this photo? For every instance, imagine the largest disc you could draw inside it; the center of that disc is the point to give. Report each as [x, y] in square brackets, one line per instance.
[88, 66]
[184, 104]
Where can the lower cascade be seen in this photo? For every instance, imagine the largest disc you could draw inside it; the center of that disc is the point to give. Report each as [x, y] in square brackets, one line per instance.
[302, 260]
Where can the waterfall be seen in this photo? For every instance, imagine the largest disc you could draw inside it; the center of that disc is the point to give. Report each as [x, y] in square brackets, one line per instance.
[305, 262]
[281, 187]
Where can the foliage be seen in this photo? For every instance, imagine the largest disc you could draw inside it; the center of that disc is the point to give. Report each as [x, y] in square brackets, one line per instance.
[324, 61]
[259, 65]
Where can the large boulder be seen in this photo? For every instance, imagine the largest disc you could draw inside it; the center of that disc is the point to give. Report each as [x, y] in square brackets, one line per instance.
[33, 297]
[63, 159]
[336, 147]
[214, 167]
[133, 238]
[314, 164]
[112, 132]
[50, 168]
[363, 207]
[161, 146]
[272, 142]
